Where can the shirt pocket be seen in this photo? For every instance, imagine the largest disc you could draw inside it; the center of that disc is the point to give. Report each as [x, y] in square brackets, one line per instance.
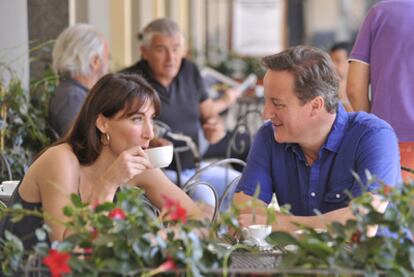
[337, 197]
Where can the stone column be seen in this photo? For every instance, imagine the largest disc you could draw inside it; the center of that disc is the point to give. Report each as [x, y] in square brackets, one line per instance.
[46, 20]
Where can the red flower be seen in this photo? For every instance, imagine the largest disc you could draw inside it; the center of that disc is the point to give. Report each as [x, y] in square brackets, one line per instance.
[57, 262]
[117, 213]
[356, 237]
[175, 210]
[387, 190]
[179, 213]
[167, 265]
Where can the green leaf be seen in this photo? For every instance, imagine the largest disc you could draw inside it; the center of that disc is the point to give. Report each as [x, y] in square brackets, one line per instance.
[411, 256]
[316, 247]
[68, 211]
[104, 207]
[76, 200]
[338, 228]
[40, 234]
[281, 239]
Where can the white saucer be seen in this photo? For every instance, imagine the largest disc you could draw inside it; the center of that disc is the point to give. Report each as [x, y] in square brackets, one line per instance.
[262, 245]
[5, 194]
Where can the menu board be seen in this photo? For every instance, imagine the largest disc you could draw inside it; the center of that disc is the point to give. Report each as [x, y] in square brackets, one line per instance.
[258, 27]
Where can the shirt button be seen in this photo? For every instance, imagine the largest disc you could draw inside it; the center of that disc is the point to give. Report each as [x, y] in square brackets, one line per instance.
[338, 195]
[313, 194]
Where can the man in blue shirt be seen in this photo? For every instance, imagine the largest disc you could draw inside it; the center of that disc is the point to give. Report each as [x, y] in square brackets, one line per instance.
[310, 146]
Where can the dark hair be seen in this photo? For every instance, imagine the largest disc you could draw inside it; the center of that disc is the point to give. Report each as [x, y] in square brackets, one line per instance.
[313, 73]
[111, 94]
[344, 45]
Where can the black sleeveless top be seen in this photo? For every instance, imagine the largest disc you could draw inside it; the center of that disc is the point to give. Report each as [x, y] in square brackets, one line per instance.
[26, 227]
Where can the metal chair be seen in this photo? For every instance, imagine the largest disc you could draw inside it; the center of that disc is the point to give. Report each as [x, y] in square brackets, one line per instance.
[243, 133]
[162, 130]
[5, 170]
[407, 169]
[197, 189]
[231, 184]
[52, 133]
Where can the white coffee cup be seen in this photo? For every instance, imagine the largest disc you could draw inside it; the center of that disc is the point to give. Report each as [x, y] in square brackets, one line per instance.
[160, 156]
[8, 187]
[257, 233]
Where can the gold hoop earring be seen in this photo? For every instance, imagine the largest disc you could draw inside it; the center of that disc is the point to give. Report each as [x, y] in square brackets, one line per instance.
[105, 138]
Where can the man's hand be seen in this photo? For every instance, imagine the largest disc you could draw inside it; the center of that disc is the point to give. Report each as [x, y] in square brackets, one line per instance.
[231, 95]
[245, 220]
[214, 129]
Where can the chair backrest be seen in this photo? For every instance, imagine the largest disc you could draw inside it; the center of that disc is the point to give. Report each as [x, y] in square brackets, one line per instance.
[223, 162]
[206, 195]
[230, 188]
[52, 133]
[407, 169]
[161, 129]
[5, 170]
[230, 184]
[243, 132]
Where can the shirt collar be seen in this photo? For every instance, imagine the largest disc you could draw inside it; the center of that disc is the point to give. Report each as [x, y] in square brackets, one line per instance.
[338, 130]
[74, 82]
[149, 75]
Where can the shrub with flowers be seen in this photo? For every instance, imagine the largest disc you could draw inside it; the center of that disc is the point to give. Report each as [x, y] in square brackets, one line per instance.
[122, 238]
[347, 246]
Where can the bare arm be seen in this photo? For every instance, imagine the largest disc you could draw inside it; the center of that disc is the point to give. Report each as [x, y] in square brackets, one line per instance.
[212, 124]
[344, 97]
[157, 185]
[286, 222]
[229, 97]
[358, 85]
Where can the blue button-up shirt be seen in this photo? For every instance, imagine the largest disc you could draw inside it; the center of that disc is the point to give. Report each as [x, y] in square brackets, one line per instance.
[357, 142]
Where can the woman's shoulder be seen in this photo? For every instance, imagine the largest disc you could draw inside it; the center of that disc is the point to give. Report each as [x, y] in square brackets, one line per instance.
[57, 165]
[60, 155]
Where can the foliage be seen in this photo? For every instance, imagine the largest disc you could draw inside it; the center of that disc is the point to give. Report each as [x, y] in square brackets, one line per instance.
[25, 126]
[239, 66]
[348, 246]
[122, 238]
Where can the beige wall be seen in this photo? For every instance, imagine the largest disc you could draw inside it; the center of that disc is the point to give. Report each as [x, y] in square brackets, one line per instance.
[121, 20]
[14, 48]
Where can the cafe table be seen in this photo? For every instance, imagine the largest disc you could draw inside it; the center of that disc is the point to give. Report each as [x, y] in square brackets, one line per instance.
[242, 263]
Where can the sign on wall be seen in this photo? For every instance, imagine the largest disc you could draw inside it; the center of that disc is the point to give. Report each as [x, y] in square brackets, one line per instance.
[258, 27]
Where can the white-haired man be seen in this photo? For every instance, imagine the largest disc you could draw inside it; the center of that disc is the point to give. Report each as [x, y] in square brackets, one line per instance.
[80, 58]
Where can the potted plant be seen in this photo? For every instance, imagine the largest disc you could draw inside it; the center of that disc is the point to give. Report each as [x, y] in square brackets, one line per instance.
[23, 120]
[348, 249]
[120, 239]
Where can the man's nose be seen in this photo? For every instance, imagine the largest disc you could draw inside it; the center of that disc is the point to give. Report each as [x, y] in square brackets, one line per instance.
[267, 112]
[171, 54]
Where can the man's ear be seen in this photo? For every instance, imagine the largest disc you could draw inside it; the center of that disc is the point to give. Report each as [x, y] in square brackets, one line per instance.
[102, 123]
[317, 105]
[144, 52]
[96, 62]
